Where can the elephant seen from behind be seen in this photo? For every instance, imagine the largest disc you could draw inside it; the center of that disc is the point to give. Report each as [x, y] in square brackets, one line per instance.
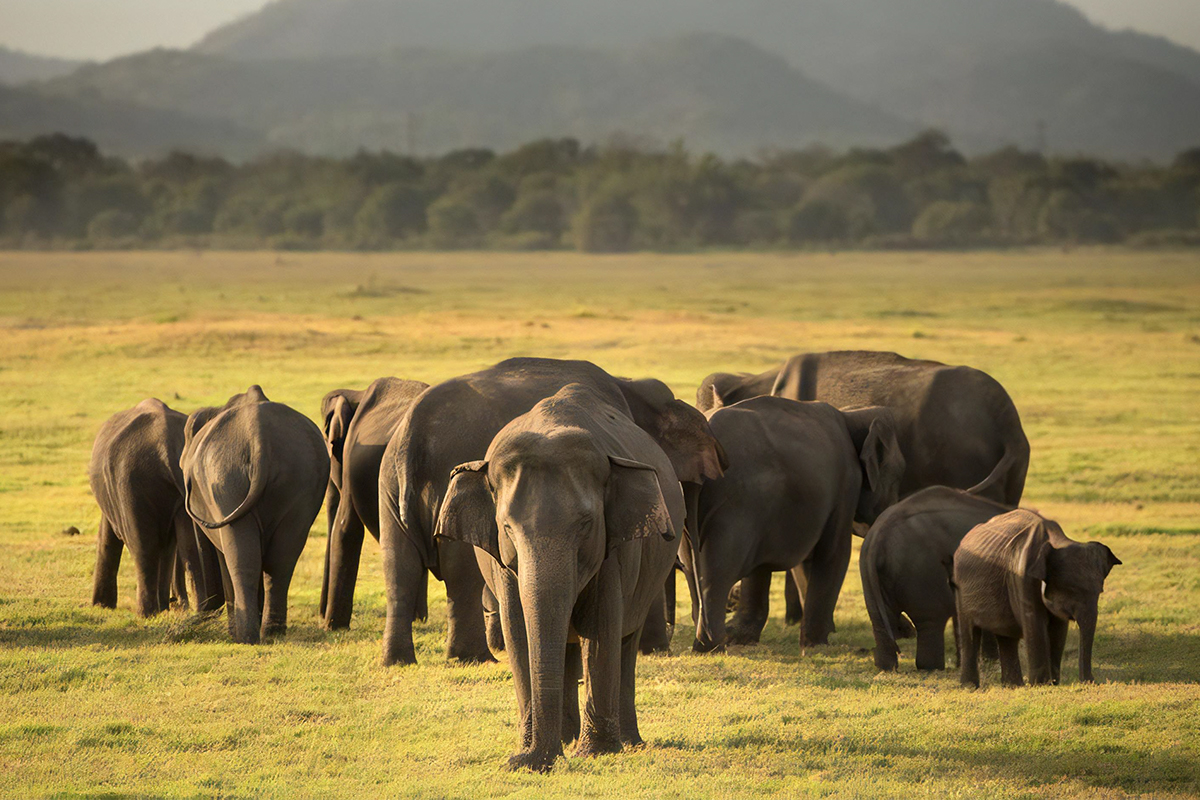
[254, 475]
[800, 474]
[135, 477]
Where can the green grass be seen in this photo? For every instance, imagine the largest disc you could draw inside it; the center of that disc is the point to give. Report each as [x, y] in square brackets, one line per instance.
[1099, 349]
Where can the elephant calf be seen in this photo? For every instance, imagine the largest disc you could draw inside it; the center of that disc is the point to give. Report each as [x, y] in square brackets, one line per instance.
[254, 476]
[905, 563]
[572, 514]
[135, 477]
[1020, 577]
[800, 474]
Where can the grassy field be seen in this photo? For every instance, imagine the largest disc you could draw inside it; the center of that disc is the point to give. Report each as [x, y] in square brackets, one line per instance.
[1099, 349]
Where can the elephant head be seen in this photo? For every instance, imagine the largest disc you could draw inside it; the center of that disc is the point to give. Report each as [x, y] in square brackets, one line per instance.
[1070, 576]
[549, 504]
[679, 429]
[337, 412]
[873, 430]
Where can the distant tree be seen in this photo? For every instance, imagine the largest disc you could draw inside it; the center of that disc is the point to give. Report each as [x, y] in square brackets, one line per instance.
[453, 224]
[947, 222]
[112, 224]
[929, 152]
[394, 211]
[606, 222]
[817, 221]
[537, 212]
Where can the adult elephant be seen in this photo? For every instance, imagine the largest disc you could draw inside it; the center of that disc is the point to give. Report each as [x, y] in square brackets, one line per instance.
[453, 423]
[573, 514]
[800, 475]
[254, 474]
[357, 430]
[905, 564]
[1019, 576]
[337, 412]
[135, 477]
[956, 426]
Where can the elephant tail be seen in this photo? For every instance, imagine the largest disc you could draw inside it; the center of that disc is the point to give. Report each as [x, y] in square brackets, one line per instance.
[878, 610]
[258, 482]
[1006, 482]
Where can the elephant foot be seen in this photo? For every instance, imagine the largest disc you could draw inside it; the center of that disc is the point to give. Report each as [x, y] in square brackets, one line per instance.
[399, 658]
[533, 760]
[743, 634]
[334, 626]
[591, 746]
[701, 647]
[485, 657]
[495, 632]
[273, 631]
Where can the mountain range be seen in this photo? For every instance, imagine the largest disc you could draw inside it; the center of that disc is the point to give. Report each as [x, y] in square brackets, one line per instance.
[330, 76]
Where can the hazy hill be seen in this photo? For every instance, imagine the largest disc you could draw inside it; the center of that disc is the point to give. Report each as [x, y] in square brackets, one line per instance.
[17, 67]
[910, 57]
[718, 93]
[120, 128]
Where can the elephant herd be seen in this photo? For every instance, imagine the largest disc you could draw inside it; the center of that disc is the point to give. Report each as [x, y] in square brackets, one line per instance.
[555, 501]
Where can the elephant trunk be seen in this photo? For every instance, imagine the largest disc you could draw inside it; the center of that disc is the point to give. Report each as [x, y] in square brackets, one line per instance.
[1087, 634]
[547, 601]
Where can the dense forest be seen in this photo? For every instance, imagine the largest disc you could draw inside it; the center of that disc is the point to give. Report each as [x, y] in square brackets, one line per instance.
[58, 191]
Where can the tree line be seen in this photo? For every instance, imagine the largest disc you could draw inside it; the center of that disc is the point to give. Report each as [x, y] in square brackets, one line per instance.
[59, 191]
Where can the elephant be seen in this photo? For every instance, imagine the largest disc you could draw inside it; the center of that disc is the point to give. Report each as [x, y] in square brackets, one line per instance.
[905, 564]
[1019, 576]
[453, 423]
[337, 412]
[956, 426]
[358, 427]
[573, 513]
[254, 476]
[135, 477]
[800, 474]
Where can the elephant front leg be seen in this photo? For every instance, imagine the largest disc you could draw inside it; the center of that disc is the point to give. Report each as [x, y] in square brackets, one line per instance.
[332, 500]
[512, 621]
[826, 571]
[754, 606]
[403, 576]
[108, 560]
[1058, 643]
[571, 678]
[466, 632]
[710, 629]
[1010, 661]
[491, 621]
[655, 638]
[602, 674]
[931, 644]
[629, 725]
[969, 648]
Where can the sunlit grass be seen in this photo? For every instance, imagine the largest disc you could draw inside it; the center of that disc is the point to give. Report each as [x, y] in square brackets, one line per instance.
[1100, 350]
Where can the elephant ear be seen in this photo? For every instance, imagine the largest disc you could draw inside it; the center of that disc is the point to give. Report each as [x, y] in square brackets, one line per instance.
[1036, 554]
[634, 507]
[679, 429]
[469, 511]
[337, 425]
[873, 430]
[1108, 559]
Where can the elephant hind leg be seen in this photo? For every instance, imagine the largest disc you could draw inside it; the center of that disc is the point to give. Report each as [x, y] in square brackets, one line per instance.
[968, 648]
[466, 633]
[241, 544]
[792, 589]
[166, 573]
[147, 564]
[1010, 661]
[108, 560]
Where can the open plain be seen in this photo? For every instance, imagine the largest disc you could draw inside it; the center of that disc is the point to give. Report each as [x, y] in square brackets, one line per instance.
[1100, 350]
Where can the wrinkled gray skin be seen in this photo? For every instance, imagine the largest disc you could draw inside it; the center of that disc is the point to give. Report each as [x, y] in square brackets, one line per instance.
[1020, 577]
[254, 475]
[800, 474]
[453, 423]
[573, 513]
[905, 565]
[134, 474]
[357, 427]
[956, 426]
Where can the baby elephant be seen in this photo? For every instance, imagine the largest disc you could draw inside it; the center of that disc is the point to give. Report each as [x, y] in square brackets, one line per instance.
[573, 515]
[1019, 576]
[254, 475]
[905, 565]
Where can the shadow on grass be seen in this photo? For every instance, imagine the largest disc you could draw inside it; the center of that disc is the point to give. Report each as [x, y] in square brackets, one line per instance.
[1108, 767]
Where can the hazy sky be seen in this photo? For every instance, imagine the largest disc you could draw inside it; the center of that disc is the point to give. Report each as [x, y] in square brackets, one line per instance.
[100, 29]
